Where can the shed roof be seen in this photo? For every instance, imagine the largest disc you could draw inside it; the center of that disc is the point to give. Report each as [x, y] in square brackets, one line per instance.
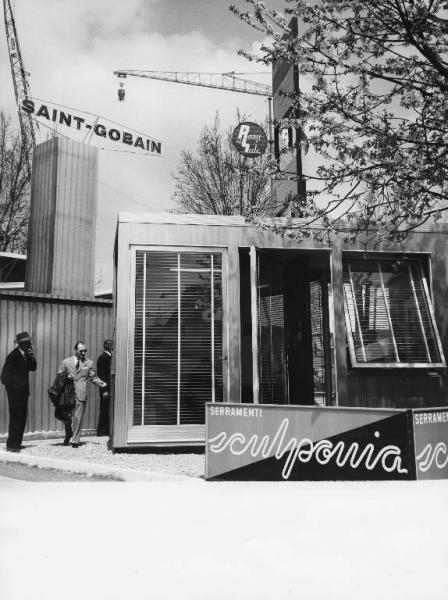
[440, 226]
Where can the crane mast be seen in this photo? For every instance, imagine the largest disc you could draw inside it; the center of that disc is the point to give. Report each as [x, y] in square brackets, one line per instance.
[28, 127]
[220, 81]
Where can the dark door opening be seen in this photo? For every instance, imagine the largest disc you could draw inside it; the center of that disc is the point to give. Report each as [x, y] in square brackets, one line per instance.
[285, 328]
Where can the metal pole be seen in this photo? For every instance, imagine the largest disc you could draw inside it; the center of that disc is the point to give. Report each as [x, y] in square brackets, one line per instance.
[270, 126]
[271, 145]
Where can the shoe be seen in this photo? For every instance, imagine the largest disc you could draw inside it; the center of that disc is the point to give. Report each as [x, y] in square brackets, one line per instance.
[75, 445]
[16, 450]
[66, 441]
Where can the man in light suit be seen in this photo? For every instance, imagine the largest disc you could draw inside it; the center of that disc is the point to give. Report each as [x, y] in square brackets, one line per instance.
[80, 370]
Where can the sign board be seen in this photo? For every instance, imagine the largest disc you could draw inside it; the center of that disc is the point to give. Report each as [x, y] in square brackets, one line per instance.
[249, 139]
[267, 442]
[431, 442]
[86, 127]
[289, 136]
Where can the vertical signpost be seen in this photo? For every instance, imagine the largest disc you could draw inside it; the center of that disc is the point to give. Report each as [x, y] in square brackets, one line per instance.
[288, 135]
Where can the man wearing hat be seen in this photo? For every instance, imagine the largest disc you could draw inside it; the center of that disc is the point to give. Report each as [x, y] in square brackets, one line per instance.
[15, 377]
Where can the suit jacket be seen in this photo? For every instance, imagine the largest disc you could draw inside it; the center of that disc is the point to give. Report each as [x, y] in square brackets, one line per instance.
[62, 392]
[103, 368]
[62, 395]
[15, 372]
[85, 373]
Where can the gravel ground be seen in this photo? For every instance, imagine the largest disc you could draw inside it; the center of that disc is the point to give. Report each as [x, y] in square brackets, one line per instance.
[94, 450]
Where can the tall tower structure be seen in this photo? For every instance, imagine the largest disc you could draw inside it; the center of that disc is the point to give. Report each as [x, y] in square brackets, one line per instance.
[61, 241]
[291, 187]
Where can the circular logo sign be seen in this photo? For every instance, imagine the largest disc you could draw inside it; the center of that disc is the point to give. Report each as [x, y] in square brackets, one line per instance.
[249, 139]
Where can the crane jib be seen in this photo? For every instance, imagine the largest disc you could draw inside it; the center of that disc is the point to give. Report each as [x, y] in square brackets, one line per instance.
[68, 119]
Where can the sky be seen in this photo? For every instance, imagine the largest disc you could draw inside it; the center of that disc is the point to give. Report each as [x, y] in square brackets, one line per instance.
[71, 48]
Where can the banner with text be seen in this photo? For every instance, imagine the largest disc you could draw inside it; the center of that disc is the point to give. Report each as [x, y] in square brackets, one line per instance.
[266, 442]
[431, 442]
[81, 126]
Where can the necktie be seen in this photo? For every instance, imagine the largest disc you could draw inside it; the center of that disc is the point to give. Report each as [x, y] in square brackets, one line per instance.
[77, 365]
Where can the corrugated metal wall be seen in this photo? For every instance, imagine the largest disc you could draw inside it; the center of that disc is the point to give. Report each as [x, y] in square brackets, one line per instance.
[55, 324]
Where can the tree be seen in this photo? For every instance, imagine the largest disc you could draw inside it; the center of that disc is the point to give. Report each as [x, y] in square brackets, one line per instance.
[218, 180]
[14, 190]
[376, 109]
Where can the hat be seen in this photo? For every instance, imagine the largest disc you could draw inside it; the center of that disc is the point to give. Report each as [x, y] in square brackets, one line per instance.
[22, 337]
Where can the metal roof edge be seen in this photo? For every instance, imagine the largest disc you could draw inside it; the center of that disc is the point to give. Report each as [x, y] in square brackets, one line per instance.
[159, 218]
[180, 219]
[13, 255]
[36, 296]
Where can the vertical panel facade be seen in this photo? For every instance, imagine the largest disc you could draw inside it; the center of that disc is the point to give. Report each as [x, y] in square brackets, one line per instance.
[40, 251]
[63, 217]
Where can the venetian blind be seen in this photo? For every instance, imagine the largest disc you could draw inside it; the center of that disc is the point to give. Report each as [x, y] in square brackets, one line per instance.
[271, 332]
[388, 313]
[317, 333]
[177, 336]
[201, 335]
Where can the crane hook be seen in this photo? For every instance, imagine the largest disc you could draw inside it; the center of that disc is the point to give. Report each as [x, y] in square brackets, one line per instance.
[121, 92]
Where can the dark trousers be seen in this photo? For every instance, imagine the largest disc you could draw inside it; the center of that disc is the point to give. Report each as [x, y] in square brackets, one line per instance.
[68, 428]
[103, 418]
[18, 409]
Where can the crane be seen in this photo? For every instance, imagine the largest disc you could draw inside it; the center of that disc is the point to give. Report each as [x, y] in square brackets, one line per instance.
[221, 81]
[28, 127]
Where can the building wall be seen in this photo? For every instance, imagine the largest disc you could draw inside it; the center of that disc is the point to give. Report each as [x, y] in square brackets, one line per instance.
[395, 387]
[400, 388]
[55, 324]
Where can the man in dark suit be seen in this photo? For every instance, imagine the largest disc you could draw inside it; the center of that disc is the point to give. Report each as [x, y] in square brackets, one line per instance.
[103, 371]
[15, 377]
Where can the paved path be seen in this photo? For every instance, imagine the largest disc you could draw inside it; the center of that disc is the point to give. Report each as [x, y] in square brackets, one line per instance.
[90, 469]
[224, 541]
[22, 472]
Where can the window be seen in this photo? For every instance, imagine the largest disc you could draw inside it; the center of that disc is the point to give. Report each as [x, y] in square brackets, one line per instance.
[177, 336]
[389, 315]
[271, 332]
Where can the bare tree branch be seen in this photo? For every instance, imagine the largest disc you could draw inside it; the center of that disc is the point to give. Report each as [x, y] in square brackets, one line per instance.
[218, 180]
[14, 190]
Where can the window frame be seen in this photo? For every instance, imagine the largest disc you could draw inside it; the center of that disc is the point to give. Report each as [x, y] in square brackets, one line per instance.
[424, 266]
[175, 248]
